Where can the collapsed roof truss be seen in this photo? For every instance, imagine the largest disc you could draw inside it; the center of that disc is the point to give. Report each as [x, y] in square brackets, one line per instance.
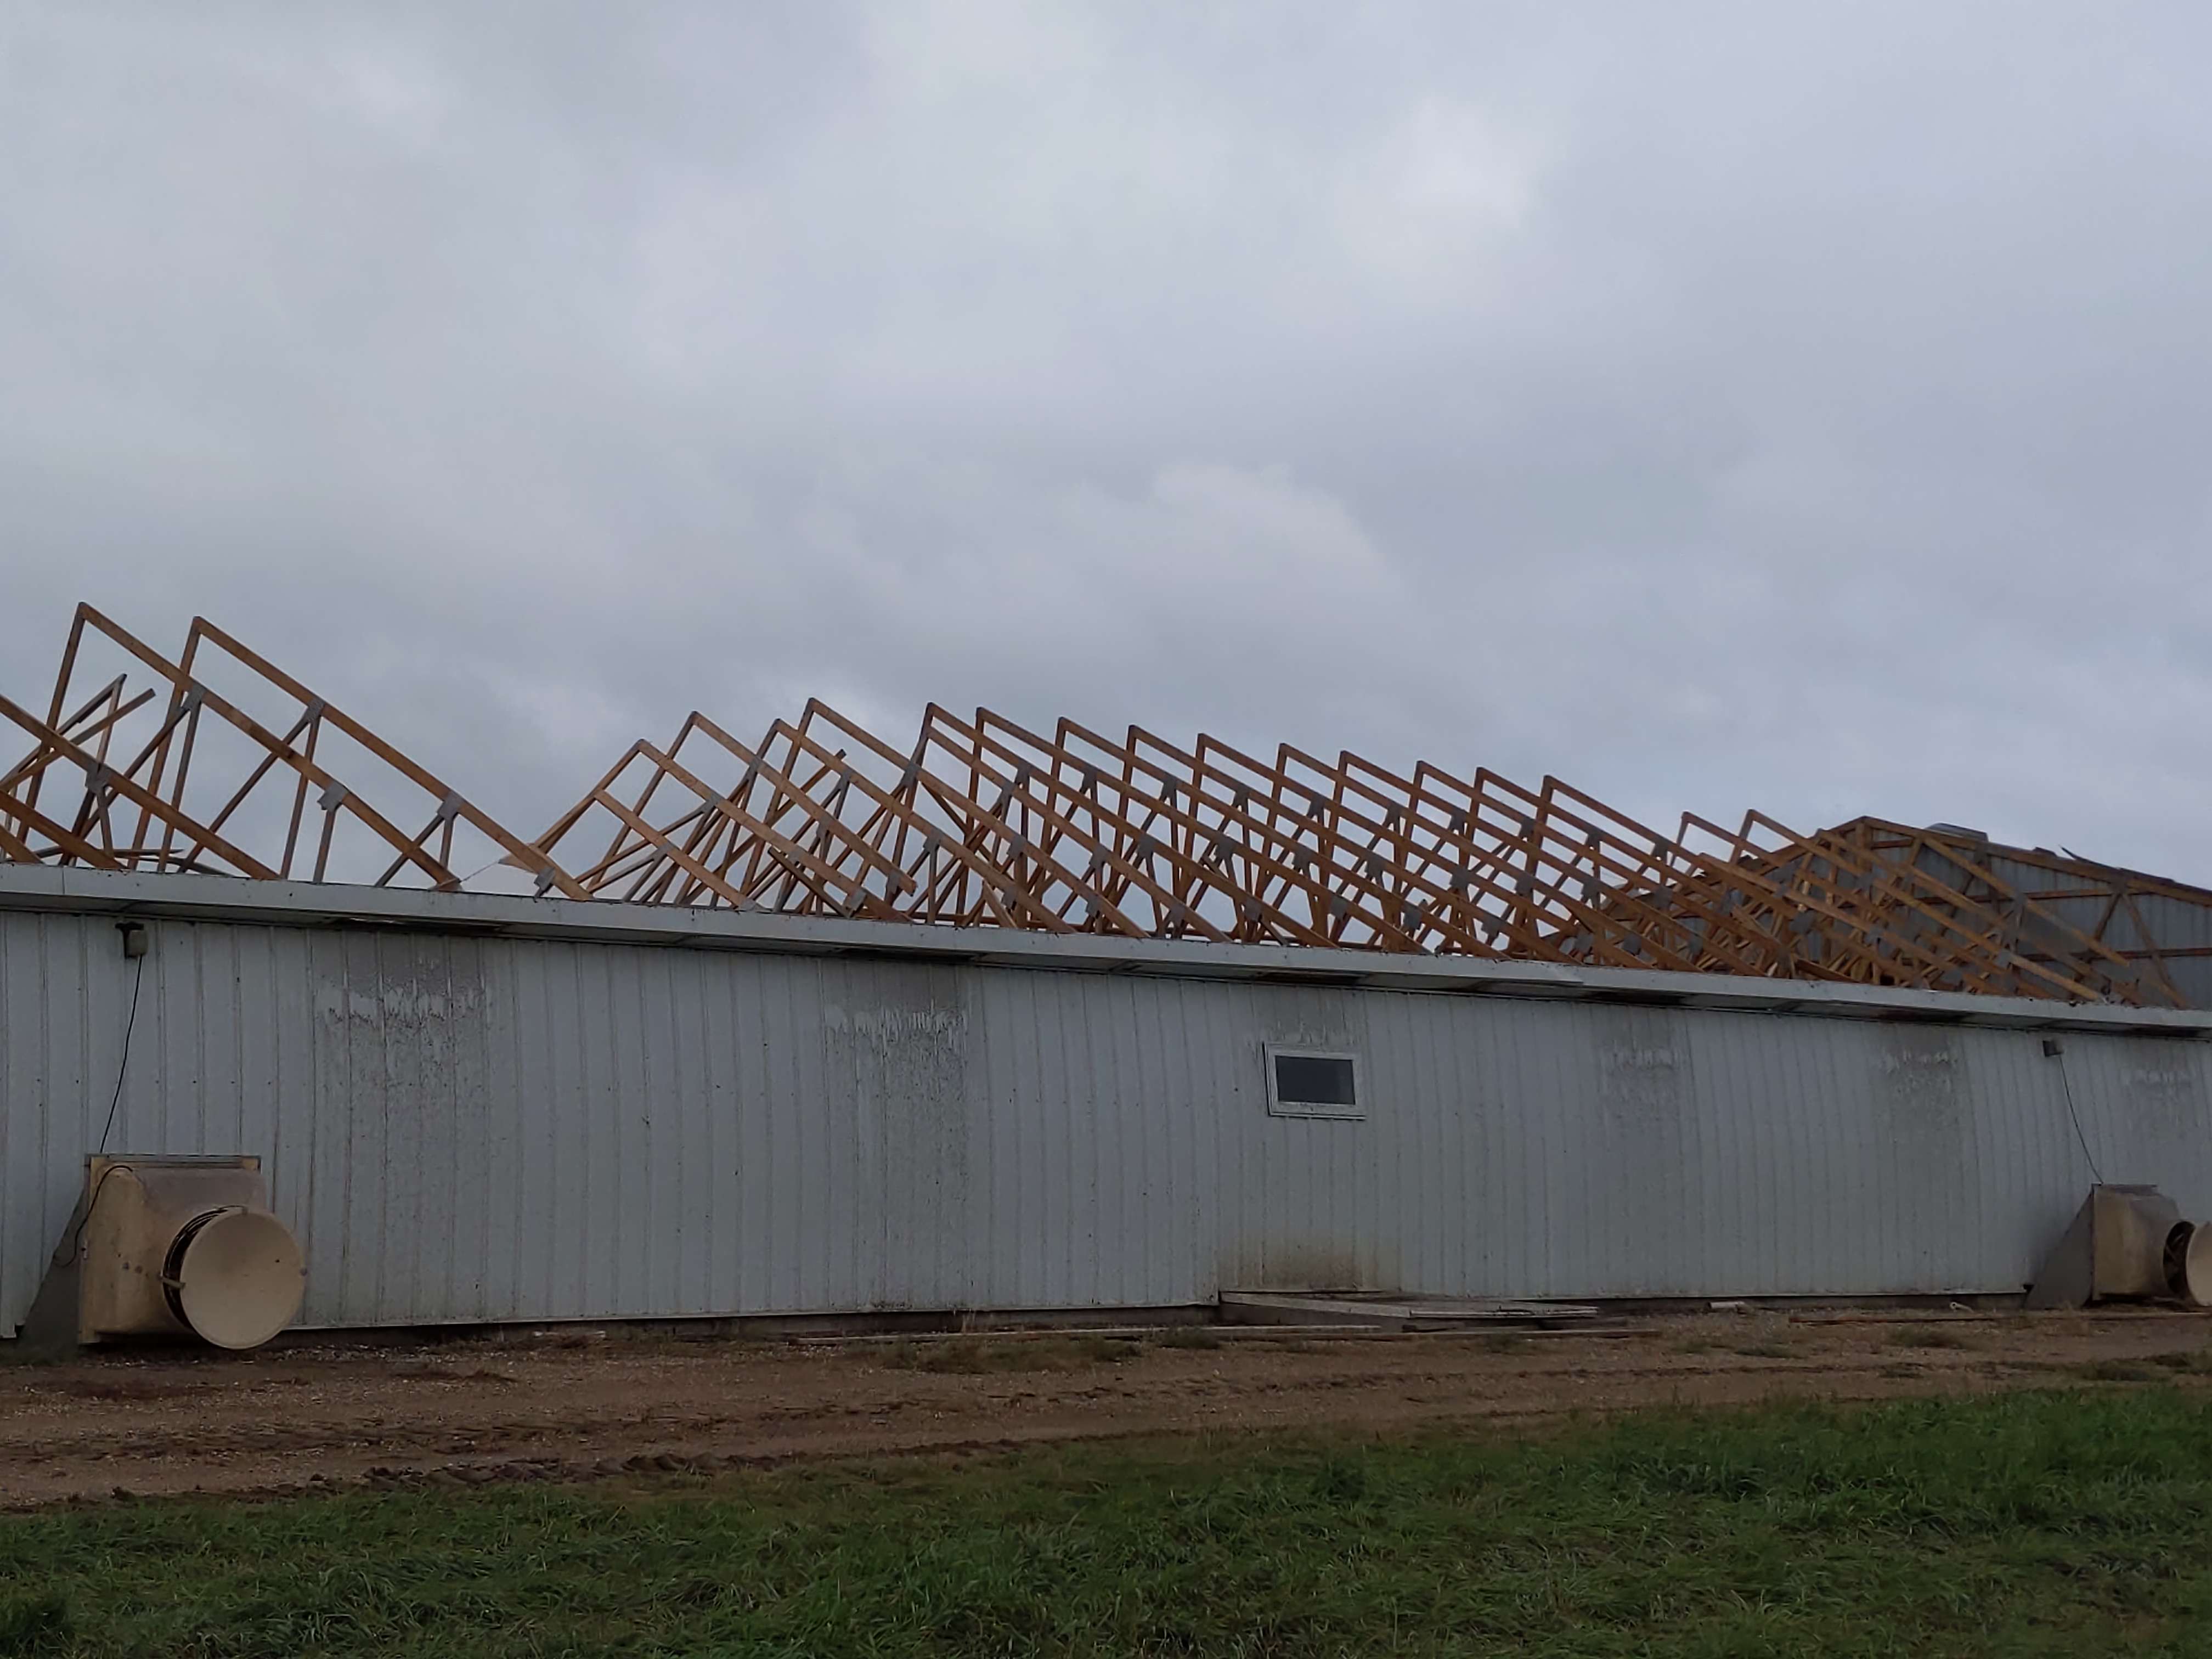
[123, 780]
[981, 822]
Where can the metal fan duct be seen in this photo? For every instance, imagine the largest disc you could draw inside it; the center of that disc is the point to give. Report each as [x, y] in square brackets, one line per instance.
[2126, 1244]
[184, 1246]
[2196, 1277]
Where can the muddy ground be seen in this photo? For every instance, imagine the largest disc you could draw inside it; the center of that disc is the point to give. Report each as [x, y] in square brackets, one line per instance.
[590, 1405]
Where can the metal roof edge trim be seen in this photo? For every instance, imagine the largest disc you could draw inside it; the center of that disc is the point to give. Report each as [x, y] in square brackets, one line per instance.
[304, 904]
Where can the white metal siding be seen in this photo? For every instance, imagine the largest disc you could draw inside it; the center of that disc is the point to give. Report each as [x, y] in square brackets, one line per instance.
[469, 1129]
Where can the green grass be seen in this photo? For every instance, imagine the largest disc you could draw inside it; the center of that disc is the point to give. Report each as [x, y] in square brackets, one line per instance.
[2115, 1370]
[2076, 1523]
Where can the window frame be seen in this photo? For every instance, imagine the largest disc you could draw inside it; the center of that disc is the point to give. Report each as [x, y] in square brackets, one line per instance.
[1278, 1107]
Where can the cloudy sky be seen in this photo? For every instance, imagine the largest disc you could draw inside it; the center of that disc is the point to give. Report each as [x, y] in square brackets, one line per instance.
[1798, 406]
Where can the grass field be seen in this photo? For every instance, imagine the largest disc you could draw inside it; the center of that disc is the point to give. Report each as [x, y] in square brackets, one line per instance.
[2076, 1522]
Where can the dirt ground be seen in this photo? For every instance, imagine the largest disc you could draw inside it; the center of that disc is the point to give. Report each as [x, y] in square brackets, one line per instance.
[575, 1406]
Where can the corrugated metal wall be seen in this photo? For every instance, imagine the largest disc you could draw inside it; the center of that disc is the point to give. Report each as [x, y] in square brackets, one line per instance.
[465, 1129]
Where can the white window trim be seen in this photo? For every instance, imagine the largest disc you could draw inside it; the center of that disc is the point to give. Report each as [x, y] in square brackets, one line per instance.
[1278, 1107]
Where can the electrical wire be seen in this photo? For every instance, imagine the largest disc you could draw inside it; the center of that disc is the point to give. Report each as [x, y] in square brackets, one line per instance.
[62, 1258]
[2068, 1082]
[123, 1066]
[122, 1070]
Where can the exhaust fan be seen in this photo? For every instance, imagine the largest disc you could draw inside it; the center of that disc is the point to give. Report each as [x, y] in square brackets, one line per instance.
[2127, 1243]
[177, 1246]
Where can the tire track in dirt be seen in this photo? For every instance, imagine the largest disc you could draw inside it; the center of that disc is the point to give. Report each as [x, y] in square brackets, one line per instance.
[471, 1414]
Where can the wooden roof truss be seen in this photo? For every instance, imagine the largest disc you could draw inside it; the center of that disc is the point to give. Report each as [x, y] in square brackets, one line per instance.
[981, 822]
[121, 780]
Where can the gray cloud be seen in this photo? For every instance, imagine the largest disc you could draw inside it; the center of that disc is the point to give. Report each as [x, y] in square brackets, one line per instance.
[1798, 407]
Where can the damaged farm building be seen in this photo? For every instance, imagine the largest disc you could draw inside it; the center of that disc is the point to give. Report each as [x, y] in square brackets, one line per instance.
[988, 1021]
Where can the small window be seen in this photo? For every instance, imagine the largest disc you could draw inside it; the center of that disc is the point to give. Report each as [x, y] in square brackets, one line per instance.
[1310, 1083]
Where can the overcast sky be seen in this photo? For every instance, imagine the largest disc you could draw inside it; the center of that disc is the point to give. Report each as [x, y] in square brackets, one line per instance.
[1792, 406]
